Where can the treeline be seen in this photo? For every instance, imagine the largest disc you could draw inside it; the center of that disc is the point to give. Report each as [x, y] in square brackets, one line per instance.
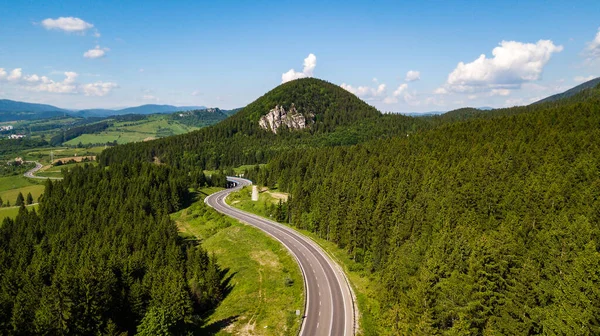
[74, 132]
[14, 146]
[102, 256]
[199, 118]
[483, 227]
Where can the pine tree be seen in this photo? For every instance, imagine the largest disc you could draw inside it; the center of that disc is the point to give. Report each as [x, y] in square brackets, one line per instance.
[29, 199]
[20, 200]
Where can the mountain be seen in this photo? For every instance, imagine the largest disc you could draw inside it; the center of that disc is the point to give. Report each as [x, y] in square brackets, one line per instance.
[152, 109]
[94, 113]
[325, 114]
[14, 110]
[16, 106]
[488, 225]
[569, 93]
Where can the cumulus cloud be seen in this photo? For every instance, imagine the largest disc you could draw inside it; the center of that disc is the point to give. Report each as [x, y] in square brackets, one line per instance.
[67, 24]
[581, 79]
[513, 63]
[310, 62]
[440, 91]
[44, 84]
[15, 75]
[99, 89]
[365, 92]
[592, 50]
[96, 52]
[412, 76]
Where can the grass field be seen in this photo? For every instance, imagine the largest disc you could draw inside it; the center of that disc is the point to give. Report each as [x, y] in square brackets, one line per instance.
[12, 212]
[266, 282]
[124, 132]
[10, 186]
[364, 287]
[43, 154]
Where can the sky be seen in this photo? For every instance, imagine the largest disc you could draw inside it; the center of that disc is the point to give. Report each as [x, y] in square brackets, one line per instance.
[399, 56]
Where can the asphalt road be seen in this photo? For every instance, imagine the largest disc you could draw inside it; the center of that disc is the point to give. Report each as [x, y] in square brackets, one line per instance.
[329, 306]
[38, 166]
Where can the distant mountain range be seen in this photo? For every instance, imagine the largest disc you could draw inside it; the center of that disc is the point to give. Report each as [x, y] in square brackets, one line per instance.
[15, 110]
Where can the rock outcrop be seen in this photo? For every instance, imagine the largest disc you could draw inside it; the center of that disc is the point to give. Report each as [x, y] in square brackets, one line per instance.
[278, 117]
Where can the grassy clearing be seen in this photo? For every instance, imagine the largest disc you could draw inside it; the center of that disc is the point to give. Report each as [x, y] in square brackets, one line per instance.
[237, 170]
[56, 171]
[13, 211]
[43, 154]
[11, 195]
[15, 182]
[365, 288]
[127, 131]
[266, 283]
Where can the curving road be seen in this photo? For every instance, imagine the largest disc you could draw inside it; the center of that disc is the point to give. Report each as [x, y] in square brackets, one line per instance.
[329, 306]
[38, 166]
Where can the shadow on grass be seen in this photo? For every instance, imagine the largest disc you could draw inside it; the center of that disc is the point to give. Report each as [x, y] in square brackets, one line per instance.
[226, 288]
[217, 326]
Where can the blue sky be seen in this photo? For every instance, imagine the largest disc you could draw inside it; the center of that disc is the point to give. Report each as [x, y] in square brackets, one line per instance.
[226, 54]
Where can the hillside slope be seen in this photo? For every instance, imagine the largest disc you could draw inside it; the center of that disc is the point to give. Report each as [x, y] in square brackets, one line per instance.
[571, 92]
[482, 227]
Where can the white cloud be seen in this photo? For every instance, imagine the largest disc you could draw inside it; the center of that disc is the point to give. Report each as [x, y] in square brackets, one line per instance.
[440, 91]
[69, 84]
[67, 24]
[365, 92]
[513, 63]
[592, 50]
[310, 62]
[499, 92]
[375, 80]
[44, 84]
[196, 93]
[15, 75]
[581, 79]
[141, 70]
[400, 89]
[412, 76]
[99, 89]
[96, 52]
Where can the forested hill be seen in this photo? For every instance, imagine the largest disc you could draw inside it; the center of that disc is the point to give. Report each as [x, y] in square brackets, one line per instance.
[571, 92]
[335, 117]
[483, 227]
[102, 257]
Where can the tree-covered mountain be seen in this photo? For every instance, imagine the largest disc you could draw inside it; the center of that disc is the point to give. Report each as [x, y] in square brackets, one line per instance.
[571, 92]
[488, 226]
[333, 115]
[7, 105]
[14, 110]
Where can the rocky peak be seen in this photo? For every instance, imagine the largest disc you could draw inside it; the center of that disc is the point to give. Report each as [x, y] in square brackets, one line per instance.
[278, 117]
